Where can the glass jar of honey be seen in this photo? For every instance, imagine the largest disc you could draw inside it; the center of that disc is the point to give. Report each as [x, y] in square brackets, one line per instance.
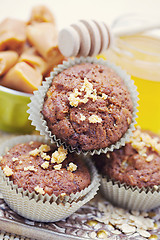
[139, 55]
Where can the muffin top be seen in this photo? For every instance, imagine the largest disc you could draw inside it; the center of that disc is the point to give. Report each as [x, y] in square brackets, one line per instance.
[136, 164]
[88, 106]
[38, 167]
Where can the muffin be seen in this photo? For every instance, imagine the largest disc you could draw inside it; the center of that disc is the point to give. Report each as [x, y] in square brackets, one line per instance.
[131, 174]
[44, 176]
[88, 104]
[36, 167]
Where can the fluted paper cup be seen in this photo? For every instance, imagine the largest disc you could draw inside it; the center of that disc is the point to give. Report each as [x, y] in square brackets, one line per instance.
[37, 101]
[132, 198]
[38, 207]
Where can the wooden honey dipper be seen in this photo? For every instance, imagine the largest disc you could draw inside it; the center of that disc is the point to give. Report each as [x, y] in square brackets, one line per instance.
[84, 38]
[90, 37]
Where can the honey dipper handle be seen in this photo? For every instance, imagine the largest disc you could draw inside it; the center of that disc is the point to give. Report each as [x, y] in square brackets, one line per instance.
[84, 38]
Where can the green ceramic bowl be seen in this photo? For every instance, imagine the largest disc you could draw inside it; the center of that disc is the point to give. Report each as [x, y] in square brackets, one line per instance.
[13, 107]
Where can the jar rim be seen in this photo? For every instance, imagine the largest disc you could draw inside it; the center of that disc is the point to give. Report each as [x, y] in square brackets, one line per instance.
[131, 46]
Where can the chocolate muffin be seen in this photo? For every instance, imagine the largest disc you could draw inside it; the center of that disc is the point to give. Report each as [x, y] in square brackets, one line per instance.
[135, 164]
[88, 106]
[39, 168]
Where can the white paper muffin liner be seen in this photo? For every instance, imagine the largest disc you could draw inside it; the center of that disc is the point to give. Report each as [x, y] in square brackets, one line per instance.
[37, 101]
[38, 207]
[128, 197]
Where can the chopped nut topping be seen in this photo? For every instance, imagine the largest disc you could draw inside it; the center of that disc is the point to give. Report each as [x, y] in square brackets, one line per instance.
[14, 159]
[72, 167]
[20, 162]
[44, 148]
[7, 171]
[86, 85]
[1, 158]
[45, 165]
[94, 119]
[59, 156]
[142, 140]
[34, 152]
[89, 93]
[41, 150]
[45, 156]
[74, 97]
[31, 142]
[73, 100]
[82, 118]
[39, 190]
[58, 166]
[30, 168]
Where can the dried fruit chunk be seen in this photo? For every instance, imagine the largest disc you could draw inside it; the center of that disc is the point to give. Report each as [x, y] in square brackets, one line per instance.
[41, 14]
[12, 34]
[22, 77]
[43, 36]
[35, 61]
[7, 60]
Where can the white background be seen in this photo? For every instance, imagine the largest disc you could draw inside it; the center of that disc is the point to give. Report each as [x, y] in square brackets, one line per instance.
[69, 11]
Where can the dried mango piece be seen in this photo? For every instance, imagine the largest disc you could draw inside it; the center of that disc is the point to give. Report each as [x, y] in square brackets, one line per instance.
[7, 60]
[34, 61]
[22, 77]
[56, 59]
[12, 34]
[43, 36]
[41, 14]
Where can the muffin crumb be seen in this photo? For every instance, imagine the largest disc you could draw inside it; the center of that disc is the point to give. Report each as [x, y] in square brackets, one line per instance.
[94, 119]
[72, 167]
[150, 158]
[14, 159]
[39, 190]
[104, 96]
[82, 118]
[155, 187]
[7, 171]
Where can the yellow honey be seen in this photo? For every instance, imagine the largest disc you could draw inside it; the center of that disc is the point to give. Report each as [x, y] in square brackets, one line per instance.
[153, 237]
[139, 55]
[102, 234]
[92, 223]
